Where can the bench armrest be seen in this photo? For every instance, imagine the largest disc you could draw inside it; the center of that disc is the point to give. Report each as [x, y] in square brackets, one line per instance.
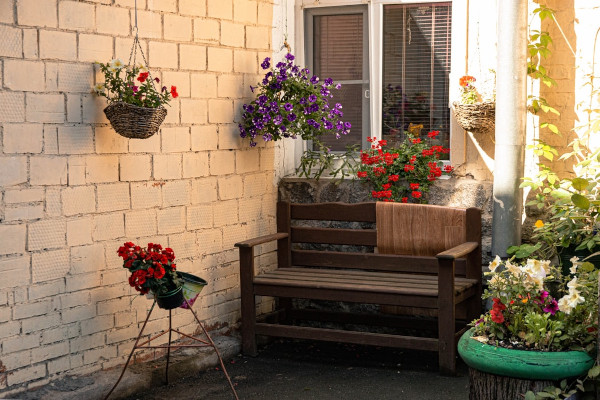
[458, 251]
[262, 239]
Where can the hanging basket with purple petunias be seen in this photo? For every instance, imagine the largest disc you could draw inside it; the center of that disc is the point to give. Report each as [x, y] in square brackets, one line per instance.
[291, 102]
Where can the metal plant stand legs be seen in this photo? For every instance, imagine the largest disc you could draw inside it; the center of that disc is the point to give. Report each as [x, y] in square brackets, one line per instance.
[169, 345]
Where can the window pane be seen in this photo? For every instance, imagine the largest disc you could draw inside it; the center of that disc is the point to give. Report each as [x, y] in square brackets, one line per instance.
[416, 67]
[338, 54]
[338, 46]
[350, 96]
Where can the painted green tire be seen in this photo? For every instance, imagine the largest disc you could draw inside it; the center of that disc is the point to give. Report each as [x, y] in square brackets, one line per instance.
[523, 364]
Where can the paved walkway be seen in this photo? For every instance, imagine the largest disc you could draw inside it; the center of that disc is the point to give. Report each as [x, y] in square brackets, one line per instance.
[302, 370]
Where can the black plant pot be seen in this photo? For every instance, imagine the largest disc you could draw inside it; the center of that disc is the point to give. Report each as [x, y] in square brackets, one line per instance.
[171, 300]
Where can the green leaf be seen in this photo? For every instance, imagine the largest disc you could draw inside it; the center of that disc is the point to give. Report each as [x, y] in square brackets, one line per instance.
[579, 183]
[594, 371]
[529, 395]
[580, 201]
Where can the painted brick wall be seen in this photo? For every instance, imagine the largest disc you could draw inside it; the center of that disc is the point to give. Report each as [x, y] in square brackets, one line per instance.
[72, 190]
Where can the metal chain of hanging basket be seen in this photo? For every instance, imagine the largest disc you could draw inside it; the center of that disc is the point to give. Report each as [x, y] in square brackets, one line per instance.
[476, 118]
[129, 120]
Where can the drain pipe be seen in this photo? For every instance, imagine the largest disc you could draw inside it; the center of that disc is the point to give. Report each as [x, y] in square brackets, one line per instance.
[511, 122]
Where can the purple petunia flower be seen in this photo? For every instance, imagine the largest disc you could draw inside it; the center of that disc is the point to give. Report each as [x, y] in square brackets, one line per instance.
[288, 106]
[314, 80]
[266, 64]
[339, 85]
[289, 57]
[347, 125]
[551, 308]
[135, 89]
[291, 117]
[328, 82]
[278, 119]
[312, 98]
[262, 99]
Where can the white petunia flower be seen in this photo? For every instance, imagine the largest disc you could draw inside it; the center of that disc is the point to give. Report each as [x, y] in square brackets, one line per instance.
[494, 264]
[99, 88]
[514, 269]
[574, 298]
[115, 64]
[575, 263]
[563, 305]
[572, 285]
[142, 68]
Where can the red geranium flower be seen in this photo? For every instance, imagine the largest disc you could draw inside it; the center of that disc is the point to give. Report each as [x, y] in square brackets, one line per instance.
[361, 174]
[416, 194]
[433, 134]
[414, 186]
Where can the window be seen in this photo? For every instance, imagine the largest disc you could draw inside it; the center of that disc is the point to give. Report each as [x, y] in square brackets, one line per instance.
[410, 44]
[338, 49]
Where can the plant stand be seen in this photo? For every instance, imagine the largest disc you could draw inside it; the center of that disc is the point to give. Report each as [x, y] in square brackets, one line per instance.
[147, 345]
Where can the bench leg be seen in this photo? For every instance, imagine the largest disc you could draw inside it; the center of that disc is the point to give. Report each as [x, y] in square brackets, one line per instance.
[446, 319]
[248, 302]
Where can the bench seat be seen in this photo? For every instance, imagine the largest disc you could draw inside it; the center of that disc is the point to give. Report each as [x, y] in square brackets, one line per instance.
[322, 281]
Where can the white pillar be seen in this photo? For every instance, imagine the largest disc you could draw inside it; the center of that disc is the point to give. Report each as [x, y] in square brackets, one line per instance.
[511, 122]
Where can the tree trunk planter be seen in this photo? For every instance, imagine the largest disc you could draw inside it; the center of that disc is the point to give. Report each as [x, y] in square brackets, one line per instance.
[497, 373]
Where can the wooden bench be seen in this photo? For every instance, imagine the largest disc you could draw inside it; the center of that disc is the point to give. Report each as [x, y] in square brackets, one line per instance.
[437, 273]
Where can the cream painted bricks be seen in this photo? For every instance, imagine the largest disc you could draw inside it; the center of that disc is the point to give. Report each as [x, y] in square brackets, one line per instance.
[22, 75]
[177, 28]
[58, 45]
[112, 20]
[192, 57]
[72, 190]
[37, 13]
[220, 9]
[232, 34]
[163, 55]
[206, 29]
[196, 8]
[23, 138]
[74, 15]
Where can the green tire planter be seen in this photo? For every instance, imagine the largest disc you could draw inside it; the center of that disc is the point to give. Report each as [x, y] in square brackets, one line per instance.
[523, 364]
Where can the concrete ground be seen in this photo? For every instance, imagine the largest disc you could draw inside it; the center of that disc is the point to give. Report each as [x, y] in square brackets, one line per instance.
[283, 369]
[302, 370]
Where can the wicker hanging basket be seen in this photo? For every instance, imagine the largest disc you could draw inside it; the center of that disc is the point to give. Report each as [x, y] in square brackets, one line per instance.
[135, 122]
[476, 118]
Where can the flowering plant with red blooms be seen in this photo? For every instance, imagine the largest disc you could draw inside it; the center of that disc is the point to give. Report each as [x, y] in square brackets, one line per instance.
[404, 173]
[535, 307]
[132, 85]
[152, 268]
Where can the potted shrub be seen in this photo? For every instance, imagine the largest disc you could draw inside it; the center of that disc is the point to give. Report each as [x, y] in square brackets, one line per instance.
[153, 271]
[135, 108]
[540, 329]
[572, 207]
[403, 173]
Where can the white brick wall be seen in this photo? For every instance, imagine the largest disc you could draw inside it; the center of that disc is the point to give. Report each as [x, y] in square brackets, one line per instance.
[72, 190]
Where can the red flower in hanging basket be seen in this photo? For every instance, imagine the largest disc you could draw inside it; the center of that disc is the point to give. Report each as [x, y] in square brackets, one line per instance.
[174, 92]
[143, 76]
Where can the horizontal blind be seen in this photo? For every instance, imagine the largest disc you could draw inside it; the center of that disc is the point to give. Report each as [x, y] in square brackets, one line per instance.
[338, 54]
[416, 68]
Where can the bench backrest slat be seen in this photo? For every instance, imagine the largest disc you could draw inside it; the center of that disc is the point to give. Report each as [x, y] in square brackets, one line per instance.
[378, 262]
[358, 212]
[356, 237]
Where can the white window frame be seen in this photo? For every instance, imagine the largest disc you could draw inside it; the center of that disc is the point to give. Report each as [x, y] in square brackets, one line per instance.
[375, 18]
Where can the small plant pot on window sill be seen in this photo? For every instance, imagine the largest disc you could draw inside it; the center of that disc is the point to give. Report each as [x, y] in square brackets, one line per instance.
[135, 122]
[476, 118]
[171, 300]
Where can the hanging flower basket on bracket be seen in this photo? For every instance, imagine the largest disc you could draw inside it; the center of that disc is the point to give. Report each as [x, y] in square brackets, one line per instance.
[477, 118]
[135, 122]
[136, 107]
